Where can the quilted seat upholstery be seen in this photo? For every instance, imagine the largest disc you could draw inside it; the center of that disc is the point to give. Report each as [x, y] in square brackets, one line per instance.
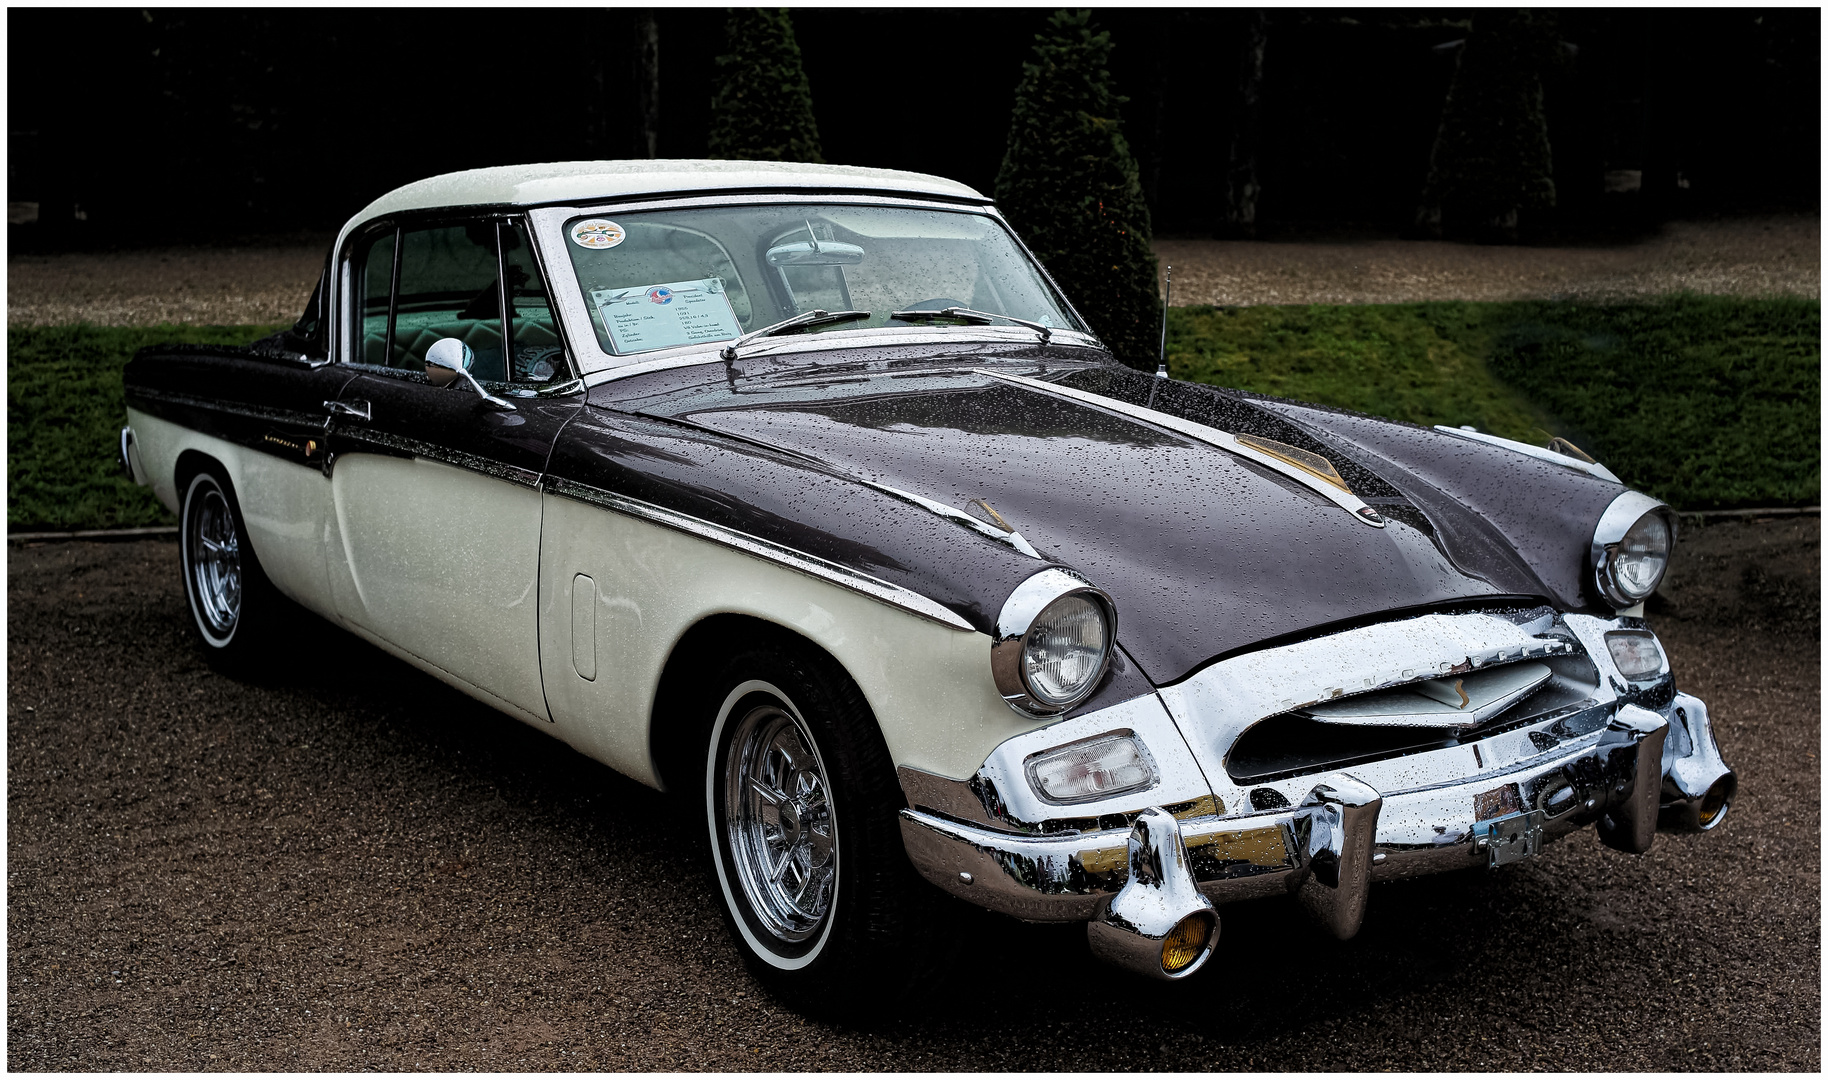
[416, 333]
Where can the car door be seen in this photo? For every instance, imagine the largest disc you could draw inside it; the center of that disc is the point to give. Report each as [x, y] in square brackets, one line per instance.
[434, 489]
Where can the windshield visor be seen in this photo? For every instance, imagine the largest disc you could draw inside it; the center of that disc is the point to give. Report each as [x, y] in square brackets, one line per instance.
[664, 279]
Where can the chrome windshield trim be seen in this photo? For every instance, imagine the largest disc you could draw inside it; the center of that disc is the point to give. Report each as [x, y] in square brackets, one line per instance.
[1211, 436]
[1540, 453]
[830, 340]
[810, 565]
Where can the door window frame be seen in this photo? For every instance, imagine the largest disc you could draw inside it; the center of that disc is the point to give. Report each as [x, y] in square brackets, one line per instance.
[349, 337]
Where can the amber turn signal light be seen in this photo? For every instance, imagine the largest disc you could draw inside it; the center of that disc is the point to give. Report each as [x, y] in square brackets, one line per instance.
[1186, 943]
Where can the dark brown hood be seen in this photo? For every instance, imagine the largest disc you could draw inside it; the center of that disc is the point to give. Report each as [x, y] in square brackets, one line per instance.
[1205, 553]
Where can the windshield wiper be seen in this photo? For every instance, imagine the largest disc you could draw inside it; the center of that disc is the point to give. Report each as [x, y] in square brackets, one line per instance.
[973, 316]
[815, 317]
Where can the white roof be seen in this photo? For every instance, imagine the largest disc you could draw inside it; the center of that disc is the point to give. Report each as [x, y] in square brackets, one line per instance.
[590, 181]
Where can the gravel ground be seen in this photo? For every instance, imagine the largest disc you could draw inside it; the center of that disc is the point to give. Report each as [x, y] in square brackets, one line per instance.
[346, 865]
[1773, 255]
[1751, 256]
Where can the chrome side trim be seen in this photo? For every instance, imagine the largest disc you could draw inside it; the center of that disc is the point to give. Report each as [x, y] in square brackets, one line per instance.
[127, 454]
[513, 474]
[810, 565]
[256, 412]
[1540, 453]
[1011, 538]
[1211, 436]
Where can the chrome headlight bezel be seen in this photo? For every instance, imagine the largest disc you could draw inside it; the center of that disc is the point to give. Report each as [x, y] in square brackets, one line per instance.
[1620, 518]
[1019, 615]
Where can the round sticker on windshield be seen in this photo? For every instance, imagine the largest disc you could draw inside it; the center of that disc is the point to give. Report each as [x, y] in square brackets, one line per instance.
[597, 233]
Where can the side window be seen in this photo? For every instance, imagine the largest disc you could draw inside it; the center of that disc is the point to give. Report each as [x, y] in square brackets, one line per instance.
[417, 285]
[375, 257]
[449, 287]
[538, 357]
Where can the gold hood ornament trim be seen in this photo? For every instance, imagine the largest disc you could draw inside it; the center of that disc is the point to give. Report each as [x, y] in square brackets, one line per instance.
[1301, 459]
[1332, 487]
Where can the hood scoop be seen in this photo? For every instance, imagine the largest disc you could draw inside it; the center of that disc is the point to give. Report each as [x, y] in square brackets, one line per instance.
[1459, 701]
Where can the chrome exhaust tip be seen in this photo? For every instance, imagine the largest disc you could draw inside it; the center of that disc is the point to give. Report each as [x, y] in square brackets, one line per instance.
[1158, 924]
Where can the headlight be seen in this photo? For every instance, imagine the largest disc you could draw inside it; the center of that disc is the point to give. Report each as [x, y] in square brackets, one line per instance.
[1631, 548]
[1094, 769]
[1053, 643]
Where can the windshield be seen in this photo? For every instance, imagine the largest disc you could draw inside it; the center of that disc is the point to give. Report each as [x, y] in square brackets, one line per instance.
[681, 277]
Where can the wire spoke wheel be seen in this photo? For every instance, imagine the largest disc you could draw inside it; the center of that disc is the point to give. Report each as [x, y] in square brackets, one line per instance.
[779, 823]
[212, 557]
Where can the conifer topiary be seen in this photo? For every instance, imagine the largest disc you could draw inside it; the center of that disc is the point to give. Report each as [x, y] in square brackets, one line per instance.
[1069, 186]
[762, 109]
[1491, 166]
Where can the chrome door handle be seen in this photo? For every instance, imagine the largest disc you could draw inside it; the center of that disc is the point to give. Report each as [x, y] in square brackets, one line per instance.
[355, 410]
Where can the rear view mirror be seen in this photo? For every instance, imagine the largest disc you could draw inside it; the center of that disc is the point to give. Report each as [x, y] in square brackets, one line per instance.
[816, 253]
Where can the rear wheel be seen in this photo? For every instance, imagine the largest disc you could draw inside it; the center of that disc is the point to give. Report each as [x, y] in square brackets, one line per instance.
[801, 801]
[230, 599]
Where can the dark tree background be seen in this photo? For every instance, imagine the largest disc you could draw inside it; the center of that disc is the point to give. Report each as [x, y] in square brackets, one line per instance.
[762, 108]
[172, 124]
[1491, 171]
[1069, 187]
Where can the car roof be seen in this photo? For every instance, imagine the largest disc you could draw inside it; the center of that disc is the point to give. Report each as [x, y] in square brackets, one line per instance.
[590, 181]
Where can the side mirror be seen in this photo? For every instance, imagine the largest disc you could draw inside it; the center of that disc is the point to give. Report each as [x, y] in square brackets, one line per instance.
[448, 360]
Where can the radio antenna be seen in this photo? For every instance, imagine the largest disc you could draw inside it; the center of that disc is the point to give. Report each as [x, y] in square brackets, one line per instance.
[1161, 367]
[1161, 361]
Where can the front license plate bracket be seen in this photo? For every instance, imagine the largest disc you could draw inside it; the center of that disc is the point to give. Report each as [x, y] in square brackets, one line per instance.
[1511, 838]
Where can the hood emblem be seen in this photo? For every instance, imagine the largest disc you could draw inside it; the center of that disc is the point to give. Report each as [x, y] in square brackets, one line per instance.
[1452, 701]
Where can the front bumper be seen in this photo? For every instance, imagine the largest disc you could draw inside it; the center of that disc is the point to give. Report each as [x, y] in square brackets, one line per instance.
[1344, 835]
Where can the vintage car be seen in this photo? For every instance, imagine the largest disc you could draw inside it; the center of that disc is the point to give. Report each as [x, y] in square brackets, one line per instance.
[804, 492]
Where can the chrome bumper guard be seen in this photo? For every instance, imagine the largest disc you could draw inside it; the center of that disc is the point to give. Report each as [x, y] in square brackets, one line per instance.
[1325, 851]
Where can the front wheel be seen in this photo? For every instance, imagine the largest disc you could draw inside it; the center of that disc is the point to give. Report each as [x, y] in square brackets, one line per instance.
[228, 593]
[802, 805]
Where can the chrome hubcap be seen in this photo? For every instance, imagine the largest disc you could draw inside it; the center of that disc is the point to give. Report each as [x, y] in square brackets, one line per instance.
[214, 552]
[779, 823]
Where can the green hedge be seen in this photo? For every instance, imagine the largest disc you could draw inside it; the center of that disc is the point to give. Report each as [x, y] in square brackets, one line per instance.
[64, 412]
[1705, 402]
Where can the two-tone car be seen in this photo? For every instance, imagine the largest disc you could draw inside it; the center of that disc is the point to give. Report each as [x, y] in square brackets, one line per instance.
[804, 492]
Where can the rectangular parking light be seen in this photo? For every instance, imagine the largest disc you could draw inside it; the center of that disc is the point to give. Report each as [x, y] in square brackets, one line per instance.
[1093, 769]
[1635, 653]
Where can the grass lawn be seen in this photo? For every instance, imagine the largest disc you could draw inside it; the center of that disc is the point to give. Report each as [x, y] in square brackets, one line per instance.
[1704, 402]
[64, 412]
